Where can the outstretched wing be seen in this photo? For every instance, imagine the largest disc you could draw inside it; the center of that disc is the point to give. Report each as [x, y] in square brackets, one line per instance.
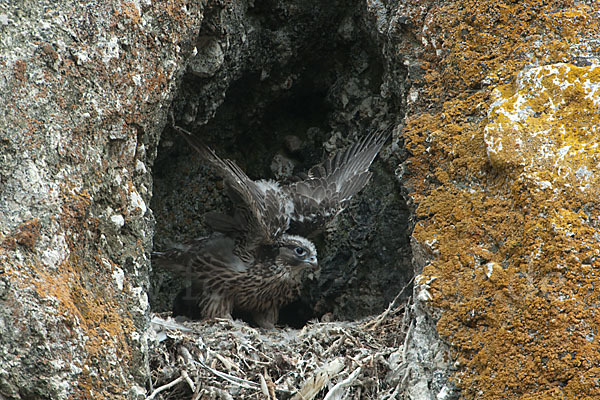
[260, 216]
[322, 194]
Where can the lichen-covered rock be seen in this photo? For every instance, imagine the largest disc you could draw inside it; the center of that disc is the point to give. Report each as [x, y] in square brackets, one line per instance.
[545, 127]
[501, 125]
[85, 88]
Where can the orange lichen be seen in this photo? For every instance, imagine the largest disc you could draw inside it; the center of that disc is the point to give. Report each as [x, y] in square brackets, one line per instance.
[21, 70]
[515, 260]
[28, 233]
[130, 10]
[88, 307]
[544, 122]
[84, 302]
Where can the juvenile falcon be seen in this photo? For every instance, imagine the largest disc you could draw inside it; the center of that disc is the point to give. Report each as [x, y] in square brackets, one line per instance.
[252, 264]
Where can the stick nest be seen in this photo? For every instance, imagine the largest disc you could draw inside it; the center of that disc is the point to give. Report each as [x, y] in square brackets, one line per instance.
[224, 359]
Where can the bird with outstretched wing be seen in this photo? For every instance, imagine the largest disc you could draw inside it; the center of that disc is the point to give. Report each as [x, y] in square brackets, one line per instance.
[251, 263]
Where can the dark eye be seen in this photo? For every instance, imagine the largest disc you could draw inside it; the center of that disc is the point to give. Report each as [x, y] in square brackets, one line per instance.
[300, 251]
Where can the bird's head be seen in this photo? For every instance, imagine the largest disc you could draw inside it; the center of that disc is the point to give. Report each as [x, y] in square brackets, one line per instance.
[297, 253]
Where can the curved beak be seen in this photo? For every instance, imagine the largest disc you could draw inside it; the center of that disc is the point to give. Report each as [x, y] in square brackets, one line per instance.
[312, 261]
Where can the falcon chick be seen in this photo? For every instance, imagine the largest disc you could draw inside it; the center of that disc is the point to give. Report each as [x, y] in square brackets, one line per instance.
[251, 263]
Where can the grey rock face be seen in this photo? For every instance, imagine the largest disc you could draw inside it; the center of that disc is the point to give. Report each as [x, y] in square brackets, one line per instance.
[85, 88]
[85, 94]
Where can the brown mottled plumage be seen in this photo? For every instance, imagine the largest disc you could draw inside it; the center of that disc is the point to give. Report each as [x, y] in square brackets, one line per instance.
[251, 264]
[222, 282]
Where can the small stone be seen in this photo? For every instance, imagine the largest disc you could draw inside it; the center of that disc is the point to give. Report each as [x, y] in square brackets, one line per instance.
[3, 288]
[118, 220]
[292, 143]
[209, 59]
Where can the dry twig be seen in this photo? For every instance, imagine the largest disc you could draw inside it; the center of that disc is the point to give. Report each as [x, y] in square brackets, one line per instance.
[182, 377]
[379, 320]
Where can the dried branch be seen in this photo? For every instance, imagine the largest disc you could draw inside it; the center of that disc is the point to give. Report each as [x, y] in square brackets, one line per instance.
[379, 320]
[230, 378]
[167, 386]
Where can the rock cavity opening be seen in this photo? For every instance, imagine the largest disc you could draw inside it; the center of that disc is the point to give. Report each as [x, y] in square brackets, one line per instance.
[275, 88]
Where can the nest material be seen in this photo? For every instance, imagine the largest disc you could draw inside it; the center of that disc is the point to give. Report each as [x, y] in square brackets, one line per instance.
[224, 359]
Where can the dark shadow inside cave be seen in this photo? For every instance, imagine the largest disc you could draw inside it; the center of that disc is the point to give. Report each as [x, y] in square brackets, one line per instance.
[268, 122]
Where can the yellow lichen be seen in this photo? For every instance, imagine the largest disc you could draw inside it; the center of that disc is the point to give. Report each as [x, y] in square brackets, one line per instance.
[516, 235]
[542, 124]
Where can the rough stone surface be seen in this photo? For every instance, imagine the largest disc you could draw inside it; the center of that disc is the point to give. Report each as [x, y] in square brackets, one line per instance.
[85, 88]
[501, 126]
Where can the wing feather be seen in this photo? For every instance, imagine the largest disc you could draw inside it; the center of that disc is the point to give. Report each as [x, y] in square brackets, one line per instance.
[259, 217]
[333, 182]
[264, 210]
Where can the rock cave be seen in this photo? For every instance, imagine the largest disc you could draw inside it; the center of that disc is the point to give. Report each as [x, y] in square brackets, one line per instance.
[304, 80]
